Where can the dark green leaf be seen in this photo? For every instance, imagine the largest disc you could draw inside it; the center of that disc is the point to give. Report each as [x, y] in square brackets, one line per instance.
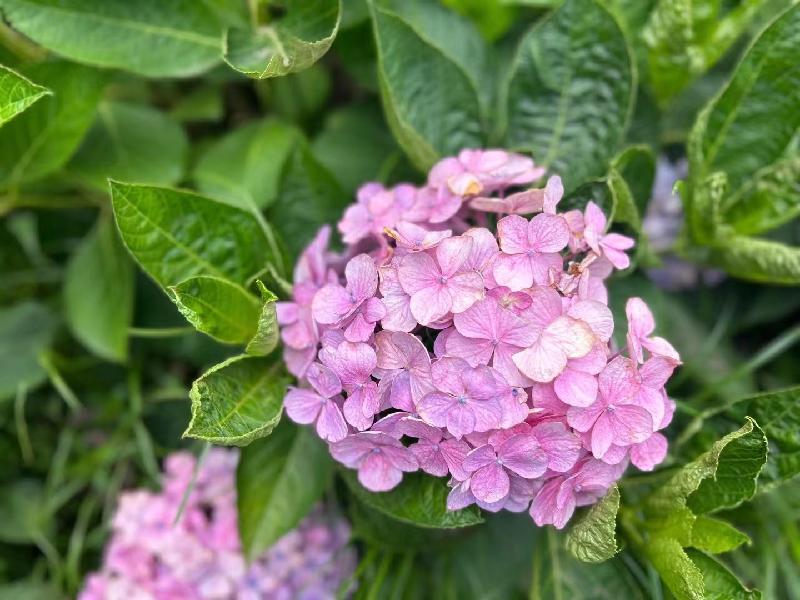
[17, 93]
[719, 583]
[175, 235]
[278, 481]
[98, 293]
[778, 413]
[637, 165]
[129, 142]
[420, 500]
[715, 536]
[267, 333]
[428, 73]
[291, 43]
[757, 260]
[42, 139]
[26, 330]
[23, 505]
[593, 538]
[149, 37]
[310, 198]
[222, 309]
[244, 167]
[571, 91]
[237, 401]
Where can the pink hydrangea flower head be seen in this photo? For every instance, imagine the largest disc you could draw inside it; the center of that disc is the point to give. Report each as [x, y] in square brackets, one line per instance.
[380, 459]
[610, 245]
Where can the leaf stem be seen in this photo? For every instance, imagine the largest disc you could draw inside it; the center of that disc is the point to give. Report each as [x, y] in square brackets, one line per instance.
[22, 426]
[159, 332]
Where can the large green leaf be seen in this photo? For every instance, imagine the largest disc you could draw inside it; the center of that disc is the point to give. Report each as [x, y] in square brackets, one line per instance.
[131, 142]
[244, 167]
[718, 582]
[42, 139]
[677, 570]
[278, 481]
[237, 401]
[17, 93]
[175, 235]
[149, 37]
[428, 68]
[267, 332]
[751, 122]
[222, 309]
[26, 330]
[715, 536]
[24, 506]
[778, 413]
[98, 292]
[593, 538]
[570, 91]
[757, 260]
[291, 43]
[420, 500]
[310, 198]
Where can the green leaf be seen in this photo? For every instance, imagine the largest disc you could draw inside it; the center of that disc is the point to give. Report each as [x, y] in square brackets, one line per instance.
[637, 165]
[757, 260]
[175, 235]
[420, 500]
[593, 538]
[751, 122]
[237, 401]
[27, 590]
[148, 37]
[715, 536]
[17, 93]
[26, 331]
[429, 64]
[778, 413]
[267, 333]
[678, 571]
[571, 90]
[23, 503]
[718, 582]
[769, 199]
[355, 146]
[310, 198]
[278, 481]
[291, 43]
[244, 167]
[42, 139]
[98, 293]
[217, 307]
[556, 574]
[130, 142]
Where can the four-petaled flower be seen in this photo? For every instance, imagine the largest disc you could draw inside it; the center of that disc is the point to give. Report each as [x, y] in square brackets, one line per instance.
[322, 406]
[380, 459]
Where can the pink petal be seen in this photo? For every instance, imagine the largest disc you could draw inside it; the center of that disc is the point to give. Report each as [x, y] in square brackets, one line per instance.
[434, 408]
[656, 371]
[618, 242]
[594, 362]
[573, 337]
[484, 248]
[431, 304]
[603, 434]
[429, 457]
[479, 458]
[418, 272]
[490, 483]
[454, 452]
[618, 258]
[460, 420]
[359, 329]
[631, 424]
[640, 319]
[447, 373]
[474, 351]
[465, 290]
[331, 304]
[658, 346]
[324, 380]
[460, 496]
[619, 381]
[352, 449]
[401, 458]
[543, 264]
[514, 408]
[513, 234]
[362, 276]
[354, 413]
[330, 424]
[649, 453]
[594, 217]
[478, 321]
[503, 363]
[451, 253]
[377, 474]
[576, 388]
[522, 454]
[302, 406]
[542, 362]
[596, 315]
[583, 419]
[545, 307]
[563, 448]
[547, 233]
[487, 414]
[553, 192]
[545, 509]
[513, 271]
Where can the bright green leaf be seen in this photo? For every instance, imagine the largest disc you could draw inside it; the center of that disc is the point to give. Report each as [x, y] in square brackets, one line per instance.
[267, 333]
[678, 571]
[778, 413]
[217, 307]
[290, 43]
[175, 235]
[715, 536]
[757, 260]
[41, 140]
[718, 582]
[593, 538]
[98, 292]
[278, 481]
[148, 37]
[420, 500]
[131, 142]
[17, 93]
[637, 165]
[571, 91]
[26, 330]
[237, 401]
[429, 79]
[244, 167]
[310, 198]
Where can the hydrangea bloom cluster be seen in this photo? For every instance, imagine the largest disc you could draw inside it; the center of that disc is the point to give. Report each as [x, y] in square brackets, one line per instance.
[149, 557]
[465, 332]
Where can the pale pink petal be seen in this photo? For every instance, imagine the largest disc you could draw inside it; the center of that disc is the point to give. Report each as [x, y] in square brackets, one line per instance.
[479, 321]
[429, 457]
[514, 408]
[503, 363]
[417, 272]
[460, 420]
[545, 306]
[354, 413]
[362, 276]
[583, 419]
[479, 458]
[490, 483]
[593, 362]
[603, 434]
[573, 337]
[447, 373]
[474, 351]
[596, 315]
[656, 371]
[324, 380]
[640, 319]
[401, 458]
[618, 242]
[576, 388]
[359, 329]
[352, 449]
[465, 290]
[563, 448]
[544, 509]
[377, 474]
[454, 452]
[553, 192]
[460, 496]
[649, 453]
[630, 424]
[565, 506]
[513, 271]
[487, 414]
[330, 424]
[484, 248]
[616, 454]
[522, 454]
[547, 233]
[542, 362]
[434, 408]
[594, 217]
[658, 346]
[332, 303]
[302, 406]
[513, 234]
[451, 254]
[431, 304]
[618, 258]
[543, 265]
[619, 381]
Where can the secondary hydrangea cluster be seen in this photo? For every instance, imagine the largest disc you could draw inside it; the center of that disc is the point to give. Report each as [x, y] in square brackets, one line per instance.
[458, 336]
[150, 557]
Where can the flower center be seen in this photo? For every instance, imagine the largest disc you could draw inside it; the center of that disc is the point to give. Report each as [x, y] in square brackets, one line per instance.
[442, 279]
[375, 451]
[461, 399]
